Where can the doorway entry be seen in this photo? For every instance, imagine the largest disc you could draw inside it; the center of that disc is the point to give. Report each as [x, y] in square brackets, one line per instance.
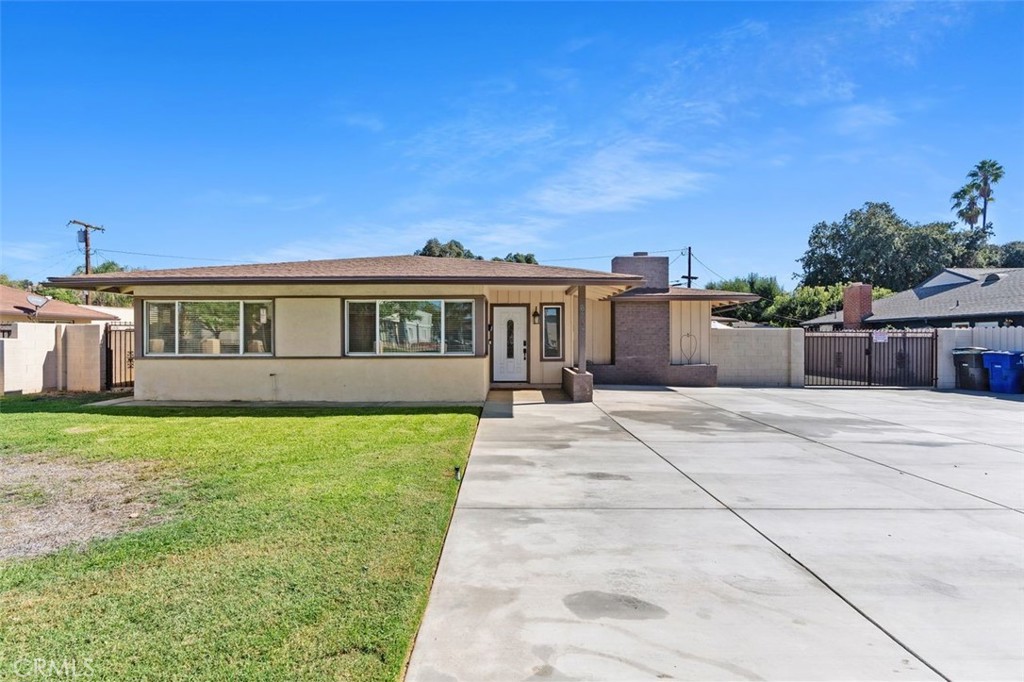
[510, 352]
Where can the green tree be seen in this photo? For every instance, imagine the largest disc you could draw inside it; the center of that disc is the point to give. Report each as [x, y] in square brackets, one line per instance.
[1011, 255]
[808, 302]
[453, 249]
[768, 288]
[873, 244]
[23, 284]
[56, 293]
[518, 258]
[105, 297]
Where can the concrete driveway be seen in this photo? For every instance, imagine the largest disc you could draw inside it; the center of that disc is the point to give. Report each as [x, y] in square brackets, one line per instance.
[735, 534]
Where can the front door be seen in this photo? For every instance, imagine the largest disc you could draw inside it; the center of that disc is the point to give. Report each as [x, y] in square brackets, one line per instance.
[510, 350]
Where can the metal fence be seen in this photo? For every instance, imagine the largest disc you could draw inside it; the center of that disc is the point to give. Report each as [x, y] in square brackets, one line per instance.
[120, 347]
[870, 358]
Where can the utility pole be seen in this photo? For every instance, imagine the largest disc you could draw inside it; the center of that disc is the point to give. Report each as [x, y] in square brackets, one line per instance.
[689, 268]
[83, 237]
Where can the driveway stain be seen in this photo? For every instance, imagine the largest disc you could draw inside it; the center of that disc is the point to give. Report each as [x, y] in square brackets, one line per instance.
[593, 604]
[603, 476]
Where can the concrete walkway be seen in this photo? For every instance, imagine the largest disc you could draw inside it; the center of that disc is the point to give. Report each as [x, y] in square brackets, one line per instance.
[735, 534]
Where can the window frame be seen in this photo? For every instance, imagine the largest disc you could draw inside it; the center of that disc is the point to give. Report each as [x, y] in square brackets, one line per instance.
[269, 302]
[544, 332]
[442, 353]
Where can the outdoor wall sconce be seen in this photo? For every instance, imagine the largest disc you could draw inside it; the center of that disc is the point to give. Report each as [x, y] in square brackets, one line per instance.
[536, 315]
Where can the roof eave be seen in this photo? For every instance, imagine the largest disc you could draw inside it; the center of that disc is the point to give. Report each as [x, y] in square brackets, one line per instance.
[95, 284]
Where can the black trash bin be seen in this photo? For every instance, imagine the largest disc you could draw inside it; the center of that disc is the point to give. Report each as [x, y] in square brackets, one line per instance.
[971, 373]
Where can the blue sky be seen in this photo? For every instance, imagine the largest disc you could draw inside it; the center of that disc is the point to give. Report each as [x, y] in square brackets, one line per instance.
[264, 132]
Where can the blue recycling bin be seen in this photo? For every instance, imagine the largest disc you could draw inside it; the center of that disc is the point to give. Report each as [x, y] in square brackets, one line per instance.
[1005, 371]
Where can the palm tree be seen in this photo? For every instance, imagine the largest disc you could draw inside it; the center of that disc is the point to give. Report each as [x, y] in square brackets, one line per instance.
[965, 203]
[982, 177]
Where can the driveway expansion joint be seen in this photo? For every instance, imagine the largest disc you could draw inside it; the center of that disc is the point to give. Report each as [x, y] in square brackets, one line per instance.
[779, 547]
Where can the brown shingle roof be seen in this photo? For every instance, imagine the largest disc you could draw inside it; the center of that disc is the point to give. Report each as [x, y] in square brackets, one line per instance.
[683, 294]
[14, 303]
[401, 269]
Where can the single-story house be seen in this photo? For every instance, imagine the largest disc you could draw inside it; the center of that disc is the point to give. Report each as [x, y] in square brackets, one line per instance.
[121, 315]
[956, 297]
[15, 307]
[410, 328]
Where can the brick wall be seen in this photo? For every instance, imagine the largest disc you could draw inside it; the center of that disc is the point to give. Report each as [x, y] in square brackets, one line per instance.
[641, 350]
[856, 304]
[654, 269]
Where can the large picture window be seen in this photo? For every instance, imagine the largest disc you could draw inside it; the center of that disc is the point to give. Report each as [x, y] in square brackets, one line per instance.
[409, 327]
[551, 344]
[209, 328]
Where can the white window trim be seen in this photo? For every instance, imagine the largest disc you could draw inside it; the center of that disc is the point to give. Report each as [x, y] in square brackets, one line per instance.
[443, 352]
[177, 336]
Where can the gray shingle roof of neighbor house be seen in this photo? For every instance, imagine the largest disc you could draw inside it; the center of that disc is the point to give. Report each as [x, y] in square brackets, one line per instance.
[15, 303]
[953, 293]
[382, 269]
[684, 294]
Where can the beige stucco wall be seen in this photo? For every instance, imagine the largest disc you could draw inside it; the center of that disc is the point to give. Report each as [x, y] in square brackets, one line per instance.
[689, 332]
[330, 379]
[84, 351]
[307, 327]
[758, 357]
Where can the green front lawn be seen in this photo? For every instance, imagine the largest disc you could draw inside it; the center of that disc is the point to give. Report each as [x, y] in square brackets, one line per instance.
[299, 543]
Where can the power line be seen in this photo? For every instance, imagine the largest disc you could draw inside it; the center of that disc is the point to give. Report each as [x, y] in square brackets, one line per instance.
[162, 255]
[563, 260]
[65, 259]
[708, 268]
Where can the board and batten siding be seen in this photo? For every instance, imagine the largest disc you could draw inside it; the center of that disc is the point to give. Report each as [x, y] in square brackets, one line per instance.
[690, 332]
[543, 371]
[599, 332]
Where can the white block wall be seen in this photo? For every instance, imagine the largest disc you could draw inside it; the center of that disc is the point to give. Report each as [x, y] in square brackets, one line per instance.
[32, 358]
[760, 357]
[51, 357]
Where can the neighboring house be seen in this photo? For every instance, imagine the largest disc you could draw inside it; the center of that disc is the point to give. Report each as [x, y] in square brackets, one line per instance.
[125, 315]
[956, 297]
[409, 328]
[15, 307]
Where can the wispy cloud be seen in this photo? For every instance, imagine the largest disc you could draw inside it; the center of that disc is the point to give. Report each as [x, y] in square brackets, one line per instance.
[486, 236]
[27, 251]
[456, 150]
[228, 199]
[618, 177]
[364, 121]
[863, 119]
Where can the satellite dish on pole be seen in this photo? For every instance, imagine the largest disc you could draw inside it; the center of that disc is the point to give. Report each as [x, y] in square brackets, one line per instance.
[38, 301]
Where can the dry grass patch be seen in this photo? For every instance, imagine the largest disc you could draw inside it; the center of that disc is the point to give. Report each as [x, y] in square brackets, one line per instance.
[47, 503]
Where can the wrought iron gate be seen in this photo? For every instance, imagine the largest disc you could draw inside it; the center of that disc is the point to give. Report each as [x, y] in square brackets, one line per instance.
[870, 358]
[120, 356]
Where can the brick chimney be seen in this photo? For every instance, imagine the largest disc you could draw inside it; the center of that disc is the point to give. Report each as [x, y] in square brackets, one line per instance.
[856, 304]
[654, 269]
